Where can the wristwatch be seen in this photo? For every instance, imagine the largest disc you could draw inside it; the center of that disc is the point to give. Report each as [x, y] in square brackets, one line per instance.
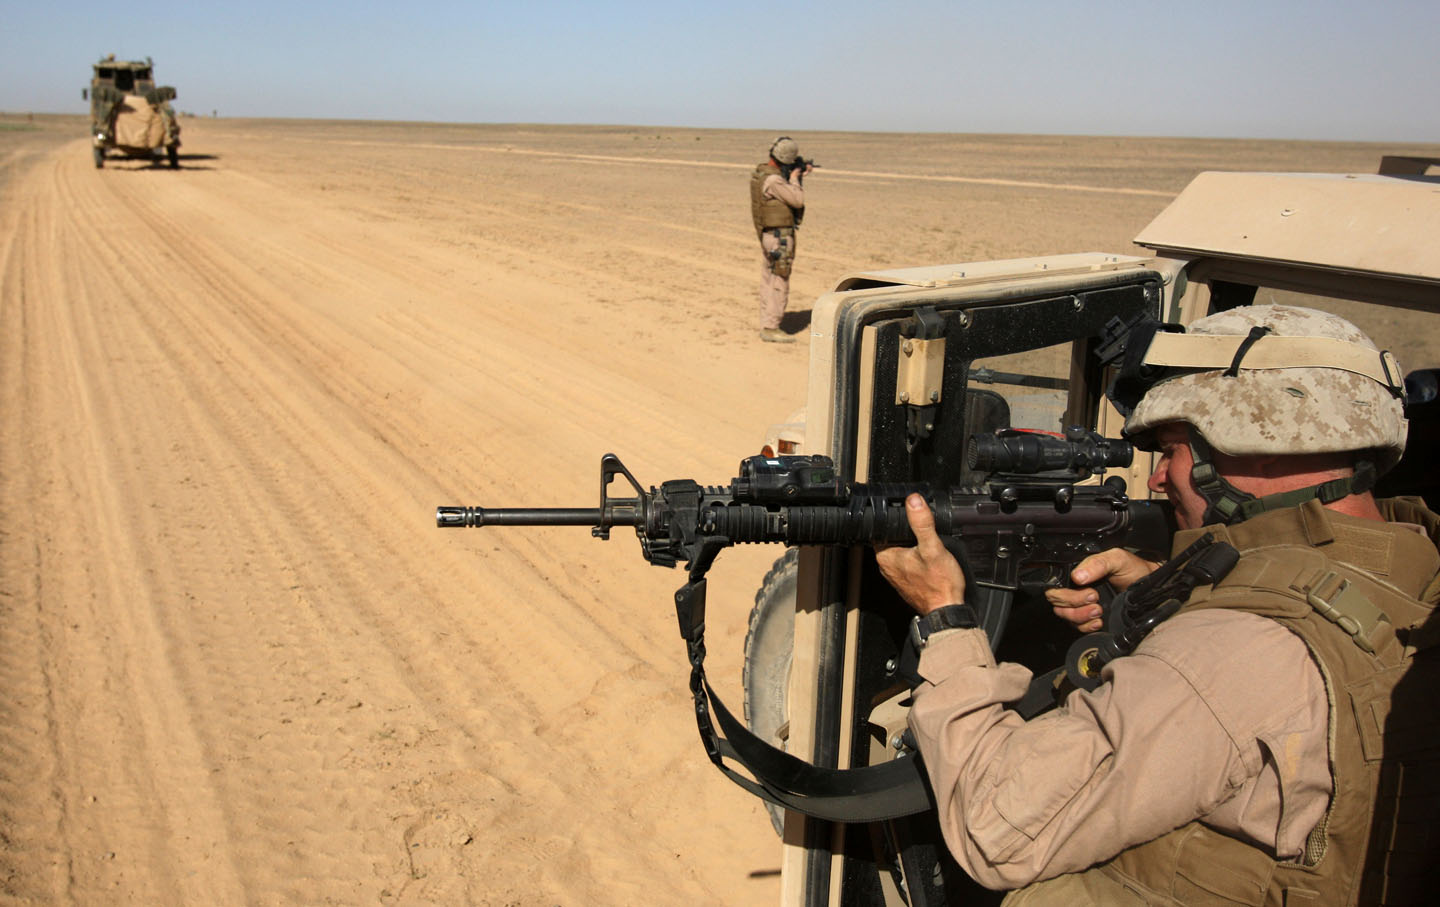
[950, 617]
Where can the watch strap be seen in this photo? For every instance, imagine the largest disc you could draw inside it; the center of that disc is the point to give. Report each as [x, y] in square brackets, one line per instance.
[949, 617]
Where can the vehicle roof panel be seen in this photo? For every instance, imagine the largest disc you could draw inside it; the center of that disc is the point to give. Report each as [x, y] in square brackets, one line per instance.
[1360, 223]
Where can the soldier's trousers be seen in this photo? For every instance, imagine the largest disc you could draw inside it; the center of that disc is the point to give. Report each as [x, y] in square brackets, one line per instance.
[774, 289]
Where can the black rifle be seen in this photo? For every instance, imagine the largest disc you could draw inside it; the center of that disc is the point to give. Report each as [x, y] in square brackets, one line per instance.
[1029, 514]
[800, 164]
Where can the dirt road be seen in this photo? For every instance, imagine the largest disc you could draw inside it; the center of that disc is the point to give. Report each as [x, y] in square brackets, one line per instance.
[239, 665]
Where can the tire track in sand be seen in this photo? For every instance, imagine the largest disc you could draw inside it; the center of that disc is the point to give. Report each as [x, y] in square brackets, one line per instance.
[287, 691]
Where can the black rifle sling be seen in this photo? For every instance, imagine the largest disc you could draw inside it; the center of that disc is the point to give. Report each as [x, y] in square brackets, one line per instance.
[867, 794]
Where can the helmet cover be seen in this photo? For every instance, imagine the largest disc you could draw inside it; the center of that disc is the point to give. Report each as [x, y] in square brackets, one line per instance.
[1320, 408]
[785, 150]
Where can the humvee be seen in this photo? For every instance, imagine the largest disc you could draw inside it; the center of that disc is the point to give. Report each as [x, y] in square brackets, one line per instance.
[129, 114]
[901, 361]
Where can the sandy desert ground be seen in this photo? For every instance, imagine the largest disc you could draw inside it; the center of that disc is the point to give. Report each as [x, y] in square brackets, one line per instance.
[238, 663]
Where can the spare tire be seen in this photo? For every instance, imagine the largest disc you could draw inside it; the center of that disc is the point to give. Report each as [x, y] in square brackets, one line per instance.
[769, 652]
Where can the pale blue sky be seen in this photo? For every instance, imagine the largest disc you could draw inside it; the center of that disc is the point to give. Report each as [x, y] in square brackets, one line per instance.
[1326, 69]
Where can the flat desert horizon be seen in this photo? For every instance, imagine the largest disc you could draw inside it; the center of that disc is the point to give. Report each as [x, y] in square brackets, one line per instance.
[238, 663]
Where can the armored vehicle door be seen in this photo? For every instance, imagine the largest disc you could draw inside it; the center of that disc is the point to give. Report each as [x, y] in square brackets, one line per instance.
[905, 366]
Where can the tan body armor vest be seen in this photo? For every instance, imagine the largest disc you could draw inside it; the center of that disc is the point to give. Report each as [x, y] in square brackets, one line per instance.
[769, 212]
[1379, 842]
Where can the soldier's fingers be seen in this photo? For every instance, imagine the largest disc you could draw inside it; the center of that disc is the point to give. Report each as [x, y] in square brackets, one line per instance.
[1116, 564]
[922, 523]
[1094, 568]
[1079, 613]
[1086, 619]
[890, 558]
[1061, 597]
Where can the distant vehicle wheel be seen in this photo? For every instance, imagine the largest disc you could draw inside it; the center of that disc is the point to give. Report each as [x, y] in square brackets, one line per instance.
[769, 651]
[99, 154]
[173, 153]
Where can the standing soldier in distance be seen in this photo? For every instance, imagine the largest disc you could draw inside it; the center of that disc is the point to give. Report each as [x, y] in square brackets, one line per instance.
[777, 203]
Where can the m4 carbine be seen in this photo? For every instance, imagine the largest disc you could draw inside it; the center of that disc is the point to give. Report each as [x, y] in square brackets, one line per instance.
[800, 164]
[1029, 514]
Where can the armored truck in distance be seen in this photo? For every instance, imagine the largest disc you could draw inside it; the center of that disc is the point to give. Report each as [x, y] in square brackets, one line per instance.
[129, 114]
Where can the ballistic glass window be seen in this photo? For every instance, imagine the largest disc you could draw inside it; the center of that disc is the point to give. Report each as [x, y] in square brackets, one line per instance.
[1018, 350]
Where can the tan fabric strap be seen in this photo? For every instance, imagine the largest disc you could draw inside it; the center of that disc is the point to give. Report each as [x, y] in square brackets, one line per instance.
[1217, 351]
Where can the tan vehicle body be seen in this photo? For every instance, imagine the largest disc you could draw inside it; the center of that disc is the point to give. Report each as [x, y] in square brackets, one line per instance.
[129, 114]
[1311, 238]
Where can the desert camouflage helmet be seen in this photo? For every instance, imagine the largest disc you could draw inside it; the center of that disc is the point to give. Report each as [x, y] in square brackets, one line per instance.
[1276, 379]
[785, 150]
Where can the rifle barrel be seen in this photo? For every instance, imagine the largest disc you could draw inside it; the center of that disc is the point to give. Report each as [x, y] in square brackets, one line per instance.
[446, 517]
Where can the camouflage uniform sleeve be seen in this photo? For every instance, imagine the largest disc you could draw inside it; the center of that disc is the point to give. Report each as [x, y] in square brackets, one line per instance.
[1183, 730]
[791, 193]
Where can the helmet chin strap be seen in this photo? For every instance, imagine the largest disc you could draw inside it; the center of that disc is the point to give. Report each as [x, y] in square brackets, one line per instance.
[1228, 504]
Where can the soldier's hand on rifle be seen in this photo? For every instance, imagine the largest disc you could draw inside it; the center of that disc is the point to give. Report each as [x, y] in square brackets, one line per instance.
[927, 576]
[1081, 606]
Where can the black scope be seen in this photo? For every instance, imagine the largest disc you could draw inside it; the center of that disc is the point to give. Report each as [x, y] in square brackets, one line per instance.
[1078, 452]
